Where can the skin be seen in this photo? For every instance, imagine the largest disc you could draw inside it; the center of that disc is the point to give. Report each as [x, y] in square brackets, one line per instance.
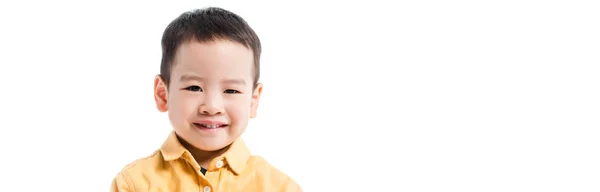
[210, 81]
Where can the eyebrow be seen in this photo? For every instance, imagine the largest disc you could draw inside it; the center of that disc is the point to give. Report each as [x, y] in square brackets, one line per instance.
[197, 78]
[235, 81]
[191, 78]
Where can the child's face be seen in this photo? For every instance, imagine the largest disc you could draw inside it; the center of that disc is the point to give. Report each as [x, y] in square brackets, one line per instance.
[211, 97]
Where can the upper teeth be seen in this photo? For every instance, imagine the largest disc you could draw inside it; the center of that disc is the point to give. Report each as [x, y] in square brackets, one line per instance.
[210, 126]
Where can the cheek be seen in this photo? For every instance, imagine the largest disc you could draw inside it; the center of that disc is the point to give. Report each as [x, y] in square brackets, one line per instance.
[238, 109]
[182, 107]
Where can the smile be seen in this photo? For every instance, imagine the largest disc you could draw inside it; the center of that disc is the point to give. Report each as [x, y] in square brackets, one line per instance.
[210, 126]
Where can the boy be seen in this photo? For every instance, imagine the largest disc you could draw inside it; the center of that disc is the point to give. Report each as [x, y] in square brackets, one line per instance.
[208, 83]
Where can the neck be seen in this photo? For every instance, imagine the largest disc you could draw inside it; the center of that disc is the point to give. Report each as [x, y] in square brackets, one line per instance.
[203, 158]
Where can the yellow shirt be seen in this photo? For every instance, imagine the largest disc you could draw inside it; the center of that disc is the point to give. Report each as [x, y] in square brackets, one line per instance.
[172, 168]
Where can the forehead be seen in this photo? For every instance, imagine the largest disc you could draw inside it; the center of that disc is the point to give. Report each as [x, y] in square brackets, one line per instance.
[213, 59]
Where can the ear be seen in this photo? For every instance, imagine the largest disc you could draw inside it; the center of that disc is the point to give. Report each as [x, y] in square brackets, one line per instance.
[255, 99]
[160, 94]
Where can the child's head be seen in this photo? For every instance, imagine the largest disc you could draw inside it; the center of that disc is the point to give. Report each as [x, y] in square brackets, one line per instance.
[208, 78]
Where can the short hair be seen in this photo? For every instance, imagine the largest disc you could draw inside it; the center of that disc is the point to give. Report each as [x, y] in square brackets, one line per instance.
[205, 25]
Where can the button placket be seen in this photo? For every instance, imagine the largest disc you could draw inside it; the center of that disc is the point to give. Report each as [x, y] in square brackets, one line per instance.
[219, 163]
[206, 189]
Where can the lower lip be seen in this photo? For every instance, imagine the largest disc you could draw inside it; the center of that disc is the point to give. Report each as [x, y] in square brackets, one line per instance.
[208, 129]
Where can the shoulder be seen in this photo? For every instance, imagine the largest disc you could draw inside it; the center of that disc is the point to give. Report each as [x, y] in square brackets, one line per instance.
[143, 164]
[266, 172]
[126, 177]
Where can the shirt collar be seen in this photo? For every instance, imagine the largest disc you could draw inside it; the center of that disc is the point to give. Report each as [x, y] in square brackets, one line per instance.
[235, 157]
[172, 149]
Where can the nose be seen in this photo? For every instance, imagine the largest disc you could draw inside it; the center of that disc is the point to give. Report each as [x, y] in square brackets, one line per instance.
[211, 105]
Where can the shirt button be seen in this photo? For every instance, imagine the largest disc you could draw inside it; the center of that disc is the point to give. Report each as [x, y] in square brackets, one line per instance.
[219, 163]
[207, 189]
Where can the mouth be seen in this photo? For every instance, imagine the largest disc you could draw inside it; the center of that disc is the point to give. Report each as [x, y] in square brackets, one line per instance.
[209, 126]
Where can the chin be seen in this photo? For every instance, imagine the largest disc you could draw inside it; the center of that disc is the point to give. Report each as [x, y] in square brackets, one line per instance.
[211, 146]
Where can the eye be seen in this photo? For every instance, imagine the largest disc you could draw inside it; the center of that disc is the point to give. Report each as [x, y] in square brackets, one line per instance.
[231, 91]
[193, 88]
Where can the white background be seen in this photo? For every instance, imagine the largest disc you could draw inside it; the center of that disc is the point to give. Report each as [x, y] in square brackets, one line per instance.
[369, 96]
